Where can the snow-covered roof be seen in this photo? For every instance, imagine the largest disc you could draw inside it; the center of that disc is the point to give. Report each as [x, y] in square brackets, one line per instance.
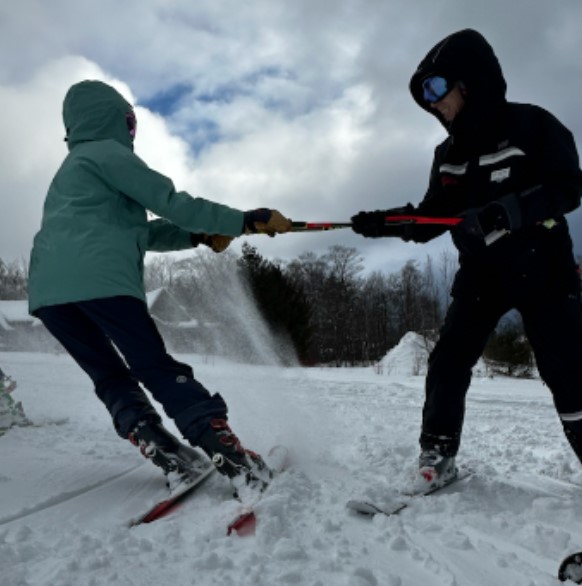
[12, 312]
[4, 325]
[177, 315]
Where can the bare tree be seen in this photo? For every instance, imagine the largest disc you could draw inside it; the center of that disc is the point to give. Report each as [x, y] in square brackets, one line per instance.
[14, 279]
[343, 336]
[344, 263]
[158, 271]
[448, 266]
[375, 304]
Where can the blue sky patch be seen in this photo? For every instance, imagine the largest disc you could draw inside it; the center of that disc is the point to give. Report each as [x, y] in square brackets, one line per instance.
[168, 101]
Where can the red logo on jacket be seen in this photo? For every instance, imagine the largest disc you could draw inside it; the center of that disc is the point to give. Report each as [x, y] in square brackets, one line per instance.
[449, 180]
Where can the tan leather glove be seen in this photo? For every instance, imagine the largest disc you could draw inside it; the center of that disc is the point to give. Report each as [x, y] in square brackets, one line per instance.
[217, 242]
[265, 221]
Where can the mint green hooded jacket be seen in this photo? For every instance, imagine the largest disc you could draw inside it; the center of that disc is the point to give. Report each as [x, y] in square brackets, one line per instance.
[95, 230]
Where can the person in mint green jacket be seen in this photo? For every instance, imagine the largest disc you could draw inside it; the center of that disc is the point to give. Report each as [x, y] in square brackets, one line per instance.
[86, 283]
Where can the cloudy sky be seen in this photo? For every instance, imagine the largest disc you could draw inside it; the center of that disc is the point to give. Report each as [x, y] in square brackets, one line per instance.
[299, 105]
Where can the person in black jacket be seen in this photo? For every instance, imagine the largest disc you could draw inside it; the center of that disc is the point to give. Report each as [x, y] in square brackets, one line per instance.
[511, 172]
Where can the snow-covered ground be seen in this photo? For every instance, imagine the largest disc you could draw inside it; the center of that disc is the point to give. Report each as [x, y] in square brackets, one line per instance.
[69, 486]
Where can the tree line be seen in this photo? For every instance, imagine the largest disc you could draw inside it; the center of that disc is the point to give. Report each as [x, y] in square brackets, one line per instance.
[335, 315]
[320, 303]
[330, 312]
[322, 306]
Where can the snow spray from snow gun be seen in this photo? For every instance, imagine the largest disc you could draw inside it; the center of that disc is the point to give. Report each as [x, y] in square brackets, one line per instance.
[321, 226]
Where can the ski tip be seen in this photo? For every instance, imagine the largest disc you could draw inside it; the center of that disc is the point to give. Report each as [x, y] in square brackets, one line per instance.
[362, 507]
[243, 525]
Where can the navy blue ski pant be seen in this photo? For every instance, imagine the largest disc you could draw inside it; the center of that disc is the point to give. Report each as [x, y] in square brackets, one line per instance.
[116, 342]
[553, 326]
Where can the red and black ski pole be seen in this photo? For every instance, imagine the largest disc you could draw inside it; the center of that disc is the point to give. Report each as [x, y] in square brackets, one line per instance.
[318, 226]
[401, 219]
[423, 220]
[454, 221]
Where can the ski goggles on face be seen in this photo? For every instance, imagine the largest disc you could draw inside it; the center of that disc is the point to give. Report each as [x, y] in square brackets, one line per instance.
[435, 88]
[131, 122]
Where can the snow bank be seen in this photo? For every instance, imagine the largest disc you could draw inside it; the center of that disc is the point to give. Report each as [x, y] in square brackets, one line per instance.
[410, 358]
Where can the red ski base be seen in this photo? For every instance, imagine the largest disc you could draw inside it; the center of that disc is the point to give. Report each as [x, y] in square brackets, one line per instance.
[245, 522]
[162, 509]
[166, 506]
[243, 525]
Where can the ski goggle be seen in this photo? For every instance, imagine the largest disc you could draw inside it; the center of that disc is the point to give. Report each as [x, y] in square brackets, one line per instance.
[131, 122]
[435, 88]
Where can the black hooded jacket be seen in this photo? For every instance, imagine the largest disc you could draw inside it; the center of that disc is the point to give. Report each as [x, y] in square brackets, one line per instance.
[498, 149]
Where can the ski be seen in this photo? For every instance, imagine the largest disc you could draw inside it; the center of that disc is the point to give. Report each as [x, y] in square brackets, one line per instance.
[163, 507]
[368, 508]
[245, 521]
[571, 568]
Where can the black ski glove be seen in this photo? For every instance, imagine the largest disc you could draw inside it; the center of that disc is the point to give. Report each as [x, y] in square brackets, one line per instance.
[503, 215]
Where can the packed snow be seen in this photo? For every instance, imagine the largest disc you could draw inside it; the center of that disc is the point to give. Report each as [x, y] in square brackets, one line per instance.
[69, 486]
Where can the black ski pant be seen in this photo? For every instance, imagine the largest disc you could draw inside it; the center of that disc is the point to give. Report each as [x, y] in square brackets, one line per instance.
[116, 342]
[553, 326]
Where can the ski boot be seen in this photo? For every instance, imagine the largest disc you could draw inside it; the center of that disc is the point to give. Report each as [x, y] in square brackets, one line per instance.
[178, 461]
[243, 467]
[434, 469]
[571, 568]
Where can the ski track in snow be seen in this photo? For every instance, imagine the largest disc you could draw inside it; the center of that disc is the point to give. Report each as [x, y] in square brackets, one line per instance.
[68, 491]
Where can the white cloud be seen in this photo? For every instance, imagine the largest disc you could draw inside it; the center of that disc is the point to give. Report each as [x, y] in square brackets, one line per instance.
[160, 149]
[33, 145]
[272, 160]
[307, 102]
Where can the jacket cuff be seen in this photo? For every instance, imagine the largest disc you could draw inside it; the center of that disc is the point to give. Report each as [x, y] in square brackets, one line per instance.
[196, 239]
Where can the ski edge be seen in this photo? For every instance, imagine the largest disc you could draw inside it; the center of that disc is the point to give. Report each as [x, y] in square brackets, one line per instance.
[163, 507]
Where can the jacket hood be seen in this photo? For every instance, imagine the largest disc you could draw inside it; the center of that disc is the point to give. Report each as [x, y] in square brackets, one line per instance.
[93, 110]
[467, 57]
